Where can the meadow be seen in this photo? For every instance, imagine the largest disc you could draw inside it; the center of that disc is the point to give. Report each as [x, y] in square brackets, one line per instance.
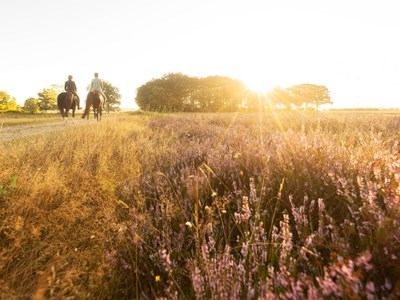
[12, 119]
[204, 206]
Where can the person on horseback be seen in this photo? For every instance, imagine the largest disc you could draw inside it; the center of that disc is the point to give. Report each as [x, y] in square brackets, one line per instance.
[70, 87]
[97, 85]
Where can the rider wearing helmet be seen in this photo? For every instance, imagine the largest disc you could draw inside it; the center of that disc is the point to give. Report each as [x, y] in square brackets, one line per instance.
[70, 87]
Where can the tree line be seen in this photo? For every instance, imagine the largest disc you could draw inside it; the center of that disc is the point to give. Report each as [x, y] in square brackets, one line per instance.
[47, 100]
[179, 92]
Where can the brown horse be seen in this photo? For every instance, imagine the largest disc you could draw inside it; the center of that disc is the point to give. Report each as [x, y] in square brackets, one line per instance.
[96, 100]
[65, 102]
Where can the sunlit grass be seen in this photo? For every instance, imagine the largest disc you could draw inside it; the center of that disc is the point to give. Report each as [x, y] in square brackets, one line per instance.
[203, 206]
[7, 119]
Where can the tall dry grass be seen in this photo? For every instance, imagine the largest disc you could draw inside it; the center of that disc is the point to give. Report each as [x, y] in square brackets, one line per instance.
[249, 206]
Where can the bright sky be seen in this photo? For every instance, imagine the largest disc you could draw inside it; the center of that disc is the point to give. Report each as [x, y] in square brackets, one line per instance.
[350, 46]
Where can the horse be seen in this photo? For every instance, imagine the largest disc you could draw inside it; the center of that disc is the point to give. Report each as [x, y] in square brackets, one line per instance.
[95, 99]
[65, 102]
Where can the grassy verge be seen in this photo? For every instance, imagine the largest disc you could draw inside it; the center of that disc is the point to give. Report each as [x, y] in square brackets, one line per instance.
[8, 119]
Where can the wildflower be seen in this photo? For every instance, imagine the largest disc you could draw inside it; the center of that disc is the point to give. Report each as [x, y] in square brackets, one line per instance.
[363, 260]
[125, 265]
[157, 278]
[370, 287]
[286, 236]
[245, 214]
[388, 285]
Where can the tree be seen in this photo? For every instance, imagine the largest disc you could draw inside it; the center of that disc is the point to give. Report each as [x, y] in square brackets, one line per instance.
[280, 97]
[221, 93]
[8, 103]
[172, 92]
[178, 88]
[311, 94]
[152, 96]
[322, 96]
[179, 92]
[47, 99]
[113, 96]
[31, 105]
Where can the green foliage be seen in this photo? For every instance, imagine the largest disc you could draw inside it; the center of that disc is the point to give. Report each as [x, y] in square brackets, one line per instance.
[31, 105]
[152, 96]
[7, 103]
[47, 99]
[169, 93]
[113, 96]
[178, 92]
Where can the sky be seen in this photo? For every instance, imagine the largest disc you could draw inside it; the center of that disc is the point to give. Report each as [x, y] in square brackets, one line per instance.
[350, 46]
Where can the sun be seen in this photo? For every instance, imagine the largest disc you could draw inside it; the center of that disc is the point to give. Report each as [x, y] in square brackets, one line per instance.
[258, 85]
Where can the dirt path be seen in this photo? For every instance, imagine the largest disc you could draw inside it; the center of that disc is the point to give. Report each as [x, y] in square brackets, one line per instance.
[10, 133]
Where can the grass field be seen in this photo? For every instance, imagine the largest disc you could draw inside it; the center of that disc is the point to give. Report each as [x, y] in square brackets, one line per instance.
[200, 206]
[8, 119]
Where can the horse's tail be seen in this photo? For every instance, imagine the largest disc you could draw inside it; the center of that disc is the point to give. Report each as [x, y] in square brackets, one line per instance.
[59, 100]
[87, 110]
[87, 106]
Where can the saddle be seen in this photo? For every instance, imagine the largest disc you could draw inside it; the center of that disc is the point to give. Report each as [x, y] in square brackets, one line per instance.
[99, 94]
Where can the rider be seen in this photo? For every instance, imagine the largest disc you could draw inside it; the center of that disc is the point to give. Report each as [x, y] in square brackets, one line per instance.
[70, 87]
[97, 85]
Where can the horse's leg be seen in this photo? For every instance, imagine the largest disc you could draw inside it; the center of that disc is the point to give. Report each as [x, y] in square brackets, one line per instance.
[63, 115]
[73, 114]
[66, 114]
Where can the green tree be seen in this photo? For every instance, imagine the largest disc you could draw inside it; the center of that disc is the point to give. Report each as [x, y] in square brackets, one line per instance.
[178, 88]
[47, 99]
[172, 92]
[31, 105]
[113, 96]
[152, 96]
[8, 103]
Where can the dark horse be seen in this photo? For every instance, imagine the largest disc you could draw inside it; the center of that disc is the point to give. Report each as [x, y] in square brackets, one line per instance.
[65, 102]
[96, 100]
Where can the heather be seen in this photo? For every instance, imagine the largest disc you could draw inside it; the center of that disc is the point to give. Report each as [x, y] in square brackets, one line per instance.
[200, 206]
